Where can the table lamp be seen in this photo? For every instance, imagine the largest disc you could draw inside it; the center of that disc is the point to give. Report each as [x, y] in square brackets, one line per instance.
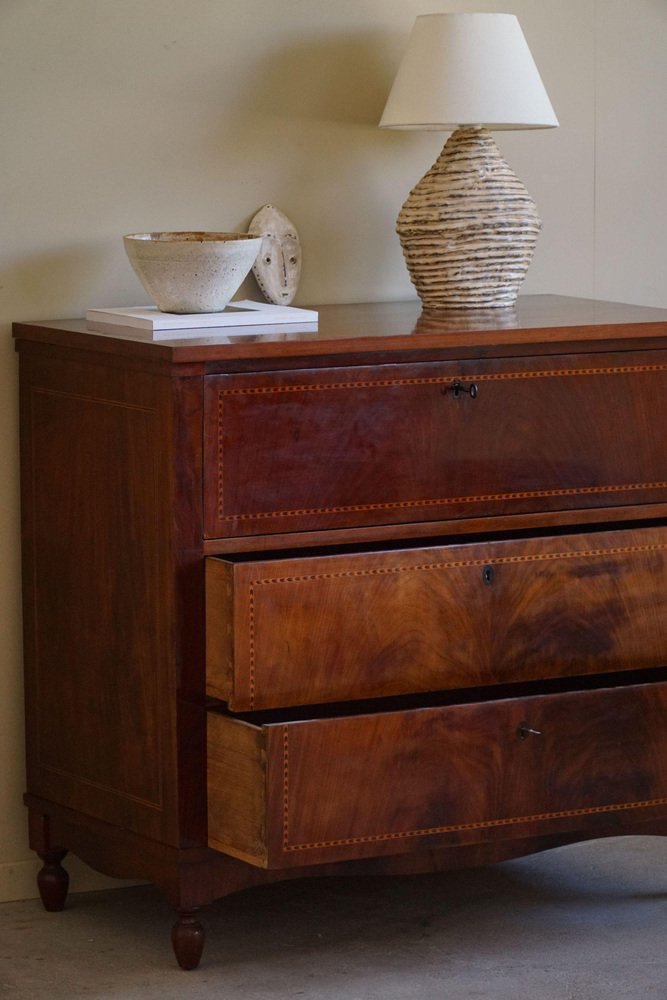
[469, 228]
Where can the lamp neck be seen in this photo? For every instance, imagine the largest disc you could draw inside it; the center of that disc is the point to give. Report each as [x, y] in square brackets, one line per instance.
[468, 142]
[471, 130]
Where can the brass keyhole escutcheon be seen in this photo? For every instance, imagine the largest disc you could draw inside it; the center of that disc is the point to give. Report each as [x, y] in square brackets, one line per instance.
[488, 575]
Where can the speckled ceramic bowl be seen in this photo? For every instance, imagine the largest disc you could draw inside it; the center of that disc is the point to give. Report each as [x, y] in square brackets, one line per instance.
[191, 272]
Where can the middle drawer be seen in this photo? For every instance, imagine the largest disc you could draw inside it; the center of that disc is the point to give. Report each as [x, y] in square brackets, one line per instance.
[322, 628]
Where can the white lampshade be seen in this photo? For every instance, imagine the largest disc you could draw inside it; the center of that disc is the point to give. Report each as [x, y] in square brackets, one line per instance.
[467, 69]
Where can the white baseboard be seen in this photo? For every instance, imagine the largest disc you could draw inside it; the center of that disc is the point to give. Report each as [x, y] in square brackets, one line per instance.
[18, 879]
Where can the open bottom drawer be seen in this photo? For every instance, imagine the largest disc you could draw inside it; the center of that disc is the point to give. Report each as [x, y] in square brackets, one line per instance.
[291, 793]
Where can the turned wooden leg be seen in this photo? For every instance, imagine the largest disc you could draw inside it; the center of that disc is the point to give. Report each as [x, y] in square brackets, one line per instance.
[53, 881]
[187, 937]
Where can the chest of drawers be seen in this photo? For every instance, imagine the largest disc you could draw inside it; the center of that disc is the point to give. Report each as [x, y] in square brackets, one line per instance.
[385, 597]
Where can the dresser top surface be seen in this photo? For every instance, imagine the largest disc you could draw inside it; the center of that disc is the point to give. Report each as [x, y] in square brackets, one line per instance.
[398, 329]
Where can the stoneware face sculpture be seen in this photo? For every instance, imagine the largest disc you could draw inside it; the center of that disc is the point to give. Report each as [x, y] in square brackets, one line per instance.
[278, 265]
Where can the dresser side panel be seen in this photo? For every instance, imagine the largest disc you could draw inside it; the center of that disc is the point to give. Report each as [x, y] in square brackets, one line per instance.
[98, 592]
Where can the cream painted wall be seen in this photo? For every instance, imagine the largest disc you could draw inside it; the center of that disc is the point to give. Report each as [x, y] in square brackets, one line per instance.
[631, 152]
[125, 115]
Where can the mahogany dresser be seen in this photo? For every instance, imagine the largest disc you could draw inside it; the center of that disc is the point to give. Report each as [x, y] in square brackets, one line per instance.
[385, 597]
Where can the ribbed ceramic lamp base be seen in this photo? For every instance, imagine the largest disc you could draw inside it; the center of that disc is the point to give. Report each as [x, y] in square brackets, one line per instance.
[469, 228]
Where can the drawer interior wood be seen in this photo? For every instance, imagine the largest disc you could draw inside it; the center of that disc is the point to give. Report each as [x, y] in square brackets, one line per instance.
[310, 629]
[353, 447]
[351, 786]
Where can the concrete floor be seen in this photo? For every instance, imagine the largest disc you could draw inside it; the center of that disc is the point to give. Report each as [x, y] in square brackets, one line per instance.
[587, 922]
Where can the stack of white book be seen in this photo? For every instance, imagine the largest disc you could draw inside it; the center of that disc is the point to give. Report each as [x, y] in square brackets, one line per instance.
[156, 325]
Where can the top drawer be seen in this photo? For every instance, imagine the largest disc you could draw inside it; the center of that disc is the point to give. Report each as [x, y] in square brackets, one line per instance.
[345, 447]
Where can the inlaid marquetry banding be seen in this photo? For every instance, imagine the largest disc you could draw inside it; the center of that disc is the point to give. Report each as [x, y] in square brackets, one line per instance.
[102, 400]
[428, 501]
[459, 563]
[252, 630]
[419, 568]
[449, 501]
[286, 786]
[221, 471]
[267, 390]
[450, 828]
[103, 787]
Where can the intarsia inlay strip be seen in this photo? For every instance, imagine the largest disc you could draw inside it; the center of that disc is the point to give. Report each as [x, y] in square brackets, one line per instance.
[100, 400]
[446, 501]
[462, 563]
[418, 568]
[450, 828]
[267, 390]
[443, 380]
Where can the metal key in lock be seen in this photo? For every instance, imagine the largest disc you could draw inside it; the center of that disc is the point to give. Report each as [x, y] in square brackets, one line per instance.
[524, 731]
[458, 387]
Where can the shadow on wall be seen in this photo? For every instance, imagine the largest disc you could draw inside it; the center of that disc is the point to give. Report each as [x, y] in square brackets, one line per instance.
[306, 132]
[45, 286]
[342, 79]
[300, 131]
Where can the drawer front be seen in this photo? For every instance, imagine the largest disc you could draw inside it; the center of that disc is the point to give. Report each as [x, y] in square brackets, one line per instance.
[390, 444]
[322, 790]
[331, 628]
